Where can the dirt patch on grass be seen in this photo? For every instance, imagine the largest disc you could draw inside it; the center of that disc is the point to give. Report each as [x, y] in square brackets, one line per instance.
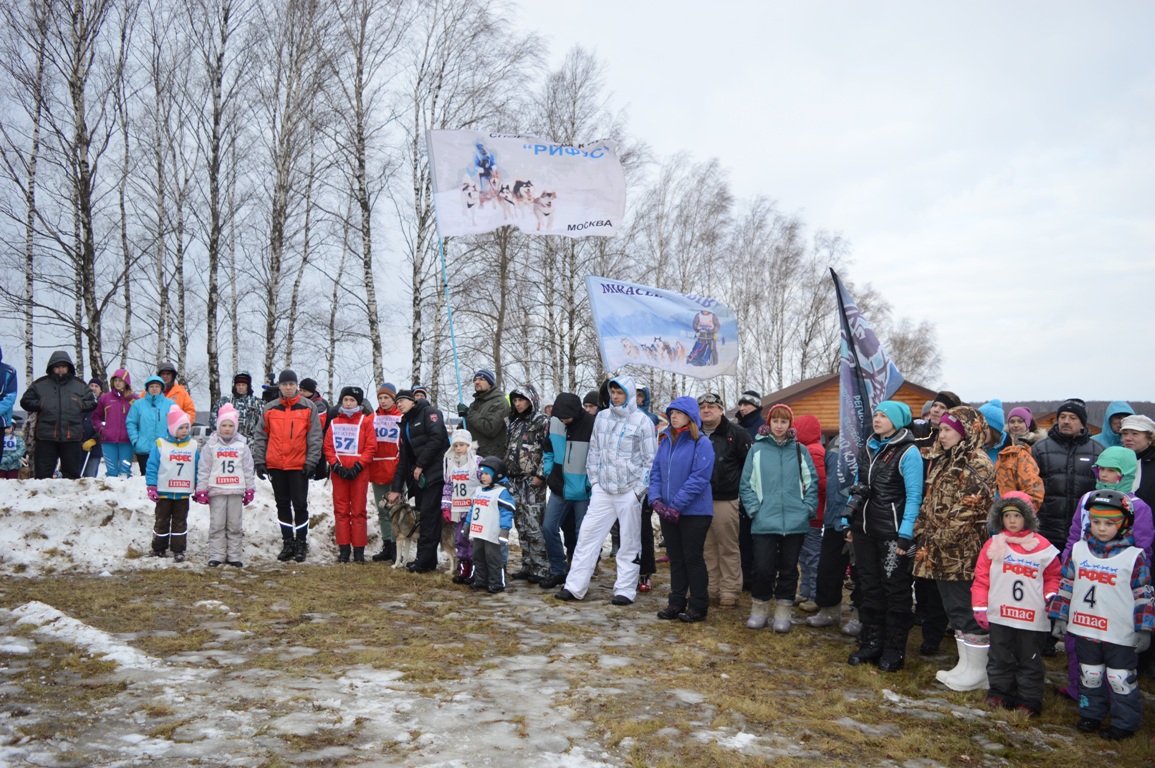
[320, 664]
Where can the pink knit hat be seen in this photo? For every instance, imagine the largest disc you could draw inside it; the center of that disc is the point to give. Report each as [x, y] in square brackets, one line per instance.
[176, 417]
[228, 413]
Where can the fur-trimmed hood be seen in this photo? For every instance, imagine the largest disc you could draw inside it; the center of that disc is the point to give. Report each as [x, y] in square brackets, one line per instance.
[1024, 506]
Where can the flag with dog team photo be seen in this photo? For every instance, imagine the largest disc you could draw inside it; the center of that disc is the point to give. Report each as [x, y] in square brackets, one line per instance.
[641, 325]
[483, 180]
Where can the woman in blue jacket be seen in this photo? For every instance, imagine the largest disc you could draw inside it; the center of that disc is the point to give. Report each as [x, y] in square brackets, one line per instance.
[148, 420]
[680, 494]
[779, 490]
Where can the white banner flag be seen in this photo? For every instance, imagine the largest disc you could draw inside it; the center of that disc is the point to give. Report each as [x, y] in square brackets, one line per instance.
[640, 325]
[483, 180]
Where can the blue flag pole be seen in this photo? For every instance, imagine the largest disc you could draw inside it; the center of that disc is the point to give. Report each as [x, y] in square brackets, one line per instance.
[449, 306]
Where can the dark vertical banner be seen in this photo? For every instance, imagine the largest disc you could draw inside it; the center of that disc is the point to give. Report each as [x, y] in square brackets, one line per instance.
[866, 377]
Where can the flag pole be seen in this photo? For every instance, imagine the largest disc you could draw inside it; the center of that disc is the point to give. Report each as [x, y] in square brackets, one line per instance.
[449, 306]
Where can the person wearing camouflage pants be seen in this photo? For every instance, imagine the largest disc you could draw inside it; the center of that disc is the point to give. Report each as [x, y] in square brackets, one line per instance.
[527, 433]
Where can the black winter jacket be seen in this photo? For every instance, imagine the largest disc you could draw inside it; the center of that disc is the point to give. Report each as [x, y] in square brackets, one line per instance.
[60, 401]
[1065, 464]
[731, 443]
[882, 515]
[751, 423]
[1146, 489]
[424, 441]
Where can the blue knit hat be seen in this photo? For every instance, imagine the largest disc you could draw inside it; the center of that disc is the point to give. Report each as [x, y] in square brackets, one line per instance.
[487, 375]
[898, 413]
[993, 413]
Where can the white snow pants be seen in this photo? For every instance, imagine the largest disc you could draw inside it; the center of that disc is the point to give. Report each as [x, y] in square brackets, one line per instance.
[603, 511]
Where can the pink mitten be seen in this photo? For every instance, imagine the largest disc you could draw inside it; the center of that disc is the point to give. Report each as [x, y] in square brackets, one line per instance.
[248, 497]
[152, 495]
[981, 618]
[446, 513]
[201, 497]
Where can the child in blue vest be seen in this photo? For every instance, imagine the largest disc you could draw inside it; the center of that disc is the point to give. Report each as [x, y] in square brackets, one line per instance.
[490, 518]
[1105, 602]
[1016, 574]
[171, 475]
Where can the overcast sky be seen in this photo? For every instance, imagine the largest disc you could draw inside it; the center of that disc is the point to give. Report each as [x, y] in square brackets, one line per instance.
[991, 164]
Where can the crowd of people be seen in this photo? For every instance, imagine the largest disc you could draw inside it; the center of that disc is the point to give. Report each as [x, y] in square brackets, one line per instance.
[966, 519]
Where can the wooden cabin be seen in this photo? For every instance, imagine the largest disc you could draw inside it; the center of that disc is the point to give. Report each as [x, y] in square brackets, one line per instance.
[819, 397]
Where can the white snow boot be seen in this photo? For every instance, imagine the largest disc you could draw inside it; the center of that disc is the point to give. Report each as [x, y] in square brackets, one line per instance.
[853, 626]
[972, 674]
[759, 614]
[826, 617]
[783, 612]
[945, 675]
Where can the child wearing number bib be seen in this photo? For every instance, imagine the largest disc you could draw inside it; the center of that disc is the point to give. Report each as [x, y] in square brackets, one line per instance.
[350, 443]
[387, 426]
[1105, 601]
[460, 472]
[171, 476]
[1016, 574]
[226, 481]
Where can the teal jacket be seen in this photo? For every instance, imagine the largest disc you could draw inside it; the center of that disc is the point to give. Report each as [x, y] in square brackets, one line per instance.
[147, 419]
[779, 487]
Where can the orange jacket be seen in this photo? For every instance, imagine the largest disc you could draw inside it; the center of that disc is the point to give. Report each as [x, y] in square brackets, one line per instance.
[1016, 470]
[179, 395]
[366, 440]
[288, 436]
[388, 437]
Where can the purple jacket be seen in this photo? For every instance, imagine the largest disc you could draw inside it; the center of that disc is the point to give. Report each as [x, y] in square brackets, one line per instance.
[112, 410]
[1143, 530]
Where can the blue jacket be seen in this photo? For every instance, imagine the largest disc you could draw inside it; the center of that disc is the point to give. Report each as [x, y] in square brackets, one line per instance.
[147, 419]
[680, 475]
[1109, 438]
[566, 447]
[7, 391]
[779, 487]
[153, 466]
[835, 498]
[647, 401]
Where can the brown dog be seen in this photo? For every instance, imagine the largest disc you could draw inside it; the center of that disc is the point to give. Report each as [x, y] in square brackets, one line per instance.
[404, 518]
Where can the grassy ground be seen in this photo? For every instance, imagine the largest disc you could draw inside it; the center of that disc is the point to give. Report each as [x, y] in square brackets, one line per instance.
[647, 692]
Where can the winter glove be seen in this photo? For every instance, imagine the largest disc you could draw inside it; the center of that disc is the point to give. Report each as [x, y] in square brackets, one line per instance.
[247, 499]
[152, 494]
[462, 410]
[503, 538]
[308, 472]
[201, 497]
[904, 544]
[1142, 641]
[262, 471]
[447, 513]
[355, 470]
[336, 469]
[981, 618]
[1059, 629]
[88, 444]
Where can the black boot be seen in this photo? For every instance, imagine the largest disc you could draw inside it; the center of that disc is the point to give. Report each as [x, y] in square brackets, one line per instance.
[869, 646]
[343, 553]
[893, 650]
[359, 555]
[300, 550]
[287, 551]
[387, 554]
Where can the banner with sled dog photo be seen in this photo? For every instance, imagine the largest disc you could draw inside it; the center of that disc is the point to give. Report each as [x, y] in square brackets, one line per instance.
[641, 325]
[483, 180]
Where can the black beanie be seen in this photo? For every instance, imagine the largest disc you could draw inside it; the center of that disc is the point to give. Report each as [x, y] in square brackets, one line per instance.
[355, 392]
[405, 394]
[288, 376]
[948, 398]
[591, 398]
[1076, 406]
[309, 385]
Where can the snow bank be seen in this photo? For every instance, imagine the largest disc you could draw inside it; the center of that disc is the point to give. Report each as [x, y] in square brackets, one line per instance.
[98, 525]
